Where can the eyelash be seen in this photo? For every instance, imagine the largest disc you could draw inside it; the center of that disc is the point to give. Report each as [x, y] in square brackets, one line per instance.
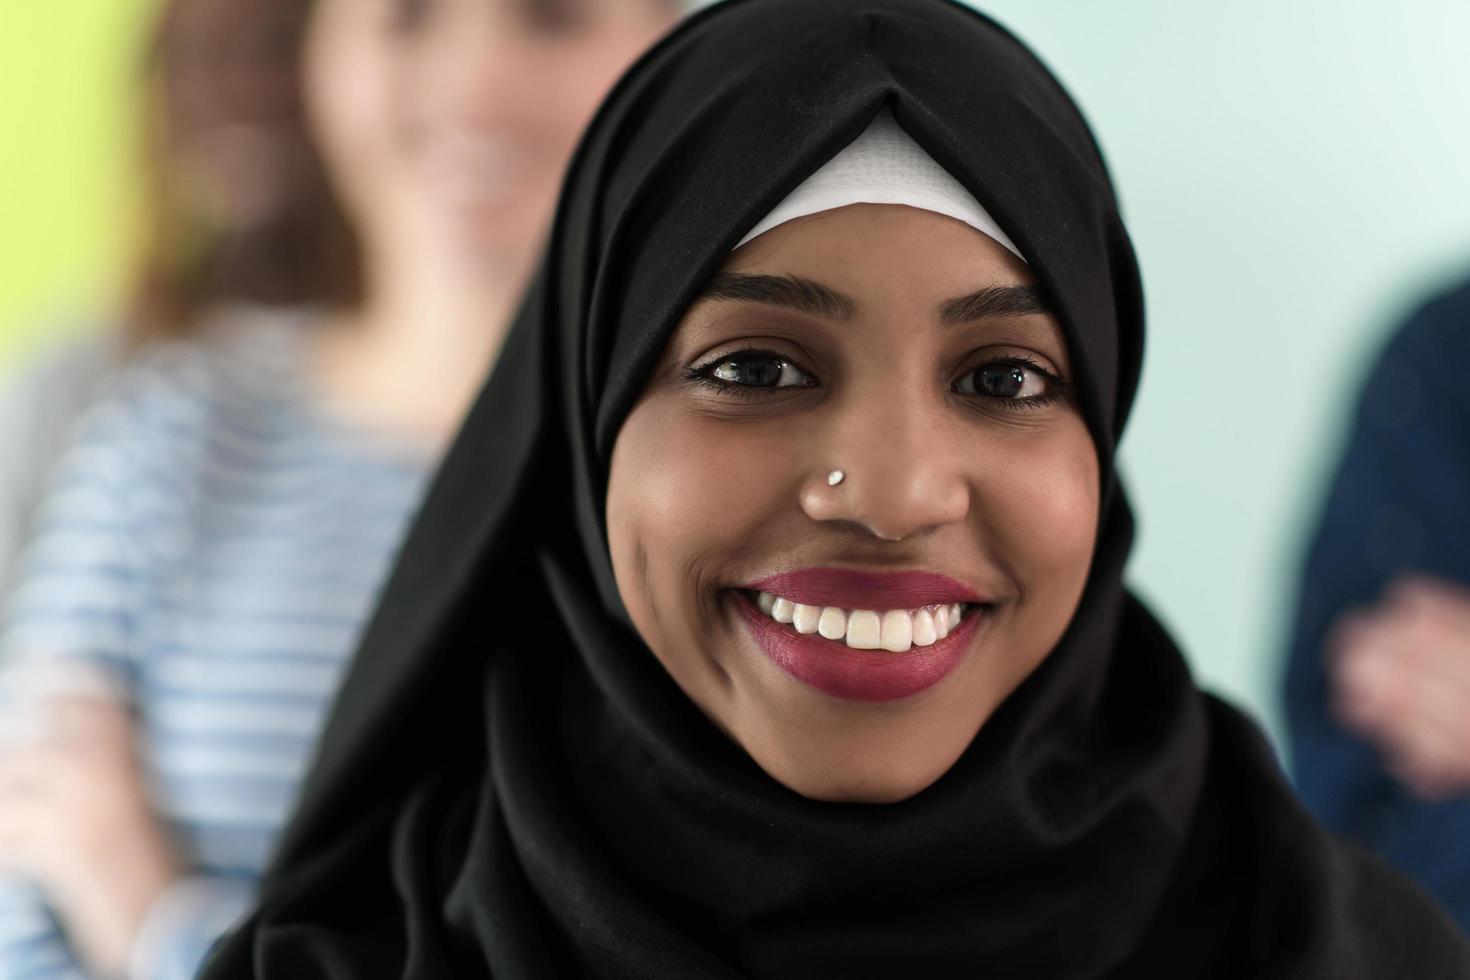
[1057, 388]
[702, 374]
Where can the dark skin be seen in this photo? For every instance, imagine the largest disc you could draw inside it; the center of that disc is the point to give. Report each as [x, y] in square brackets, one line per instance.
[867, 359]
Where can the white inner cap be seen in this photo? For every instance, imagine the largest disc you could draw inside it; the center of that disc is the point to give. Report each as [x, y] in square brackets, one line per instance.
[884, 166]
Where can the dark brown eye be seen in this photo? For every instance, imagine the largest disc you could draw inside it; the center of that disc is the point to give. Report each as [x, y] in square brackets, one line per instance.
[553, 17]
[1007, 380]
[406, 16]
[758, 371]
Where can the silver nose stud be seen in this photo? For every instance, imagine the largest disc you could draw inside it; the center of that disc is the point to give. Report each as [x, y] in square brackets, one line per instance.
[835, 477]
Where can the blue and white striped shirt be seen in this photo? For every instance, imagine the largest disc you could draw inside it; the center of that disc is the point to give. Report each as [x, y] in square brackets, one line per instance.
[217, 542]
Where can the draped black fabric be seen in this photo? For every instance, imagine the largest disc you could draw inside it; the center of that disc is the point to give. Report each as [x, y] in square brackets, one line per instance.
[510, 785]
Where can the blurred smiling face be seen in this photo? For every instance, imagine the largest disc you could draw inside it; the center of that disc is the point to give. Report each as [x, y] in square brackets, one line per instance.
[463, 113]
[854, 634]
[503, 90]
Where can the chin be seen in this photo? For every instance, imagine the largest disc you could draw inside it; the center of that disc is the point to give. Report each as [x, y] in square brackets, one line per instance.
[509, 225]
[871, 780]
[862, 788]
[491, 238]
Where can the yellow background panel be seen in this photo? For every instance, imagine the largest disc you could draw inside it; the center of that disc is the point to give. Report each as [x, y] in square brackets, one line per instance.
[70, 89]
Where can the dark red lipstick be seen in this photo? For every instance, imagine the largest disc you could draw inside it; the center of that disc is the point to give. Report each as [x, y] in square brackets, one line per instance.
[831, 666]
[848, 588]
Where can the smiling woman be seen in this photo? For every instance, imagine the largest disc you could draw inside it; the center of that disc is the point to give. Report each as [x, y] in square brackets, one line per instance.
[915, 354]
[767, 618]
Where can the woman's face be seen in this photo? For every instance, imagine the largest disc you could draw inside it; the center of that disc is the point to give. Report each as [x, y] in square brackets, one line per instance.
[854, 636]
[462, 113]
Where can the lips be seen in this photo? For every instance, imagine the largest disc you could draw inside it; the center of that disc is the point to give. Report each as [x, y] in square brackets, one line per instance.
[851, 589]
[857, 667]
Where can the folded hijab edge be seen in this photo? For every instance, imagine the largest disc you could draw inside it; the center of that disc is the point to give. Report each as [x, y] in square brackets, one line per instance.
[884, 166]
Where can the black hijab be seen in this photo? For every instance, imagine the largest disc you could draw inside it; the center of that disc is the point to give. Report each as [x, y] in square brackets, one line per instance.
[511, 785]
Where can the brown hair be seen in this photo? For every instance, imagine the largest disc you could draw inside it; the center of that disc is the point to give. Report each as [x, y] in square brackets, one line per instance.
[237, 206]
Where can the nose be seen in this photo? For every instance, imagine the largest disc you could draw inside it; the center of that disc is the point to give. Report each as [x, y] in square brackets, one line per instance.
[900, 476]
[477, 69]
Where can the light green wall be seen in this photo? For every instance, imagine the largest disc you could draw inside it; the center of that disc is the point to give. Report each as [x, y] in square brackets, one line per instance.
[68, 115]
[1294, 174]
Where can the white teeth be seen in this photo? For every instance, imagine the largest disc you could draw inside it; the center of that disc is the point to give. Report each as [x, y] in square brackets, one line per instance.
[806, 619]
[898, 631]
[895, 630]
[924, 628]
[863, 630]
[782, 610]
[833, 624]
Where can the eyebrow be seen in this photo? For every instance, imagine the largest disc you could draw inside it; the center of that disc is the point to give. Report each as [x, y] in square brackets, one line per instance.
[810, 296]
[993, 302]
[792, 292]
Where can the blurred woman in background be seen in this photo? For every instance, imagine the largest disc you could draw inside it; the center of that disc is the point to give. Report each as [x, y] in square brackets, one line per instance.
[214, 539]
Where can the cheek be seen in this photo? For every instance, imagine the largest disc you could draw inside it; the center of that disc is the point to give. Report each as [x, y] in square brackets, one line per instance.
[349, 97]
[577, 76]
[1040, 511]
[686, 495]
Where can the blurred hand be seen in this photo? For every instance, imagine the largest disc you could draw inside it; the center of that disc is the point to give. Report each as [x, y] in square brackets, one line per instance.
[1399, 674]
[75, 818]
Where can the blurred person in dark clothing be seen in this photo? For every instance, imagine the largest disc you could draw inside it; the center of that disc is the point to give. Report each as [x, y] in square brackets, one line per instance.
[1378, 681]
[347, 196]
